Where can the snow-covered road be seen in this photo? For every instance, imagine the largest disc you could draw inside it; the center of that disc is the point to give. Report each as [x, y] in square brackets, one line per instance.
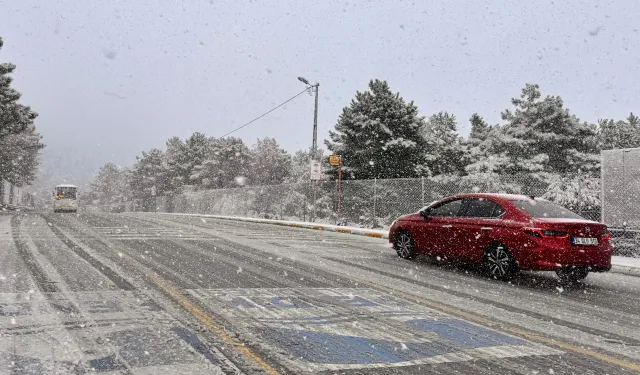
[159, 294]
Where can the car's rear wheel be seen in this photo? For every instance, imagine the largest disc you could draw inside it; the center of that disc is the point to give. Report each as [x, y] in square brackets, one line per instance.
[571, 275]
[499, 263]
[405, 247]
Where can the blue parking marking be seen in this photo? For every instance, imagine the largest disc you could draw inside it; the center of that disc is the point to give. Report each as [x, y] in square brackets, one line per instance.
[356, 301]
[290, 303]
[318, 329]
[464, 334]
[322, 347]
[241, 302]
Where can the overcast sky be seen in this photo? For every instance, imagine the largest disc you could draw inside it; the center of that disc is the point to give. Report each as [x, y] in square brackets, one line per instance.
[112, 78]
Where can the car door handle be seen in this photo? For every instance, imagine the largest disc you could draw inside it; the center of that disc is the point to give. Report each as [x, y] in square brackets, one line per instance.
[486, 228]
[447, 226]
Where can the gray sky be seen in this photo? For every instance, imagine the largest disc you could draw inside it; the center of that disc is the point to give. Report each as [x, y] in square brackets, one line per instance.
[112, 78]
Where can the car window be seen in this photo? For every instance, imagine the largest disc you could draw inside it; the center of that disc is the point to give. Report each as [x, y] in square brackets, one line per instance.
[545, 209]
[450, 208]
[480, 207]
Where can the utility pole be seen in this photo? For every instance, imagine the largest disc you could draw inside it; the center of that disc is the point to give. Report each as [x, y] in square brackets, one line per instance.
[314, 144]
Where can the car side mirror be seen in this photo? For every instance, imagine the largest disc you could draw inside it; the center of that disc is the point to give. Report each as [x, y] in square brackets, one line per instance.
[425, 212]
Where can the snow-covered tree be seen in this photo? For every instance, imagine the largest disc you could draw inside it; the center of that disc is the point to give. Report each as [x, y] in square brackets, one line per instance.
[539, 137]
[148, 176]
[620, 134]
[379, 136]
[198, 147]
[226, 165]
[270, 164]
[479, 130]
[109, 187]
[20, 144]
[177, 164]
[445, 152]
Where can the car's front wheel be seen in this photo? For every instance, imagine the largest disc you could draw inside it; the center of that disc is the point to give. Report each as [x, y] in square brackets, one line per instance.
[499, 263]
[404, 245]
[572, 275]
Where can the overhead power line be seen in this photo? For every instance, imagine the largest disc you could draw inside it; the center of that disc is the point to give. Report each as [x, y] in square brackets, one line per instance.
[266, 113]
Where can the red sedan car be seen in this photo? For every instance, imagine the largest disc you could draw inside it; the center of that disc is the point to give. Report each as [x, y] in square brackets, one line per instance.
[506, 233]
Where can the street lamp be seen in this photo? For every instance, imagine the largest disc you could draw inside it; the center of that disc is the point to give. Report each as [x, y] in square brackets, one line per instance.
[314, 146]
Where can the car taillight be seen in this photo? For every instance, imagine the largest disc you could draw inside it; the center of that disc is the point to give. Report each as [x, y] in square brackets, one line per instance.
[545, 233]
[606, 236]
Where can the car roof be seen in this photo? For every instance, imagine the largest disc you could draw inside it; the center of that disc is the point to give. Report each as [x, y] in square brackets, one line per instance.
[66, 185]
[509, 197]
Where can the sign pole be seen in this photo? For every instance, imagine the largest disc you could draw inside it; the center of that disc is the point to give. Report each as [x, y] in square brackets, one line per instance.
[337, 160]
[339, 188]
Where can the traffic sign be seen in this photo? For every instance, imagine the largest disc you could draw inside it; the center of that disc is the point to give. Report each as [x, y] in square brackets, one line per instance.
[315, 170]
[334, 159]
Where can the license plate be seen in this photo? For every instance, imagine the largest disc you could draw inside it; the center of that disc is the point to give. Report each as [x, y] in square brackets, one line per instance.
[584, 241]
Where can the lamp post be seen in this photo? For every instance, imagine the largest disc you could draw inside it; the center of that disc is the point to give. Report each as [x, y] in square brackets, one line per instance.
[314, 144]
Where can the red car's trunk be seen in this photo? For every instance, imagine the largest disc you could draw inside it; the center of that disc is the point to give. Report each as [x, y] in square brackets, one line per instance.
[573, 227]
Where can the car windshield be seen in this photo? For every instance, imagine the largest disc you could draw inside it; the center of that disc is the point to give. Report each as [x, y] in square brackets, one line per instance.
[65, 192]
[545, 209]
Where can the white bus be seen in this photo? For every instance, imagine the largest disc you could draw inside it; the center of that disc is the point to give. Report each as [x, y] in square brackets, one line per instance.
[65, 198]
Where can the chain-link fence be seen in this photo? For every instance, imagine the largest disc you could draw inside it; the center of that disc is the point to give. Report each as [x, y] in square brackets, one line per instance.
[366, 203]
[620, 198]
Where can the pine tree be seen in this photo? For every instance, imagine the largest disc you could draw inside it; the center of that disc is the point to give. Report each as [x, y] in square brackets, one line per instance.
[148, 177]
[226, 164]
[379, 136]
[20, 144]
[539, 137]
[177, 164]
[445, 153]
[620, 134]
[198, 147]
[109, 187]
[270, 164]
[479, 130]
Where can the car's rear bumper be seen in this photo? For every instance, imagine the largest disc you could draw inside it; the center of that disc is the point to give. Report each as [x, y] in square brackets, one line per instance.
[596, 258]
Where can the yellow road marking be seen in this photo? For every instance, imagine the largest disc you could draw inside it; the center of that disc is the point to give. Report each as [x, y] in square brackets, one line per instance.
[372, 234]
[211, 324]
[513, 330]
[343, 230]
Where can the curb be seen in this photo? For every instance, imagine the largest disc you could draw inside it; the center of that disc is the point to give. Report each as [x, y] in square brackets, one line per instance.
[293, 224]
[615, 268]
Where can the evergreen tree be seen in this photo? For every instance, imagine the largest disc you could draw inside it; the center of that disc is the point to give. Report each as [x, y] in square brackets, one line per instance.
[148, 176]
[226, 165]
[109, 187]
[541, 137]
[379, 136]
[177, 164]
[20, 144]
[445, 153]
[479, 130]
[197, 149]
[270, 164]
[620, 134]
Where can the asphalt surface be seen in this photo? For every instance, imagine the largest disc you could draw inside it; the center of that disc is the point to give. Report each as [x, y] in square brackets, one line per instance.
[158, 294]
